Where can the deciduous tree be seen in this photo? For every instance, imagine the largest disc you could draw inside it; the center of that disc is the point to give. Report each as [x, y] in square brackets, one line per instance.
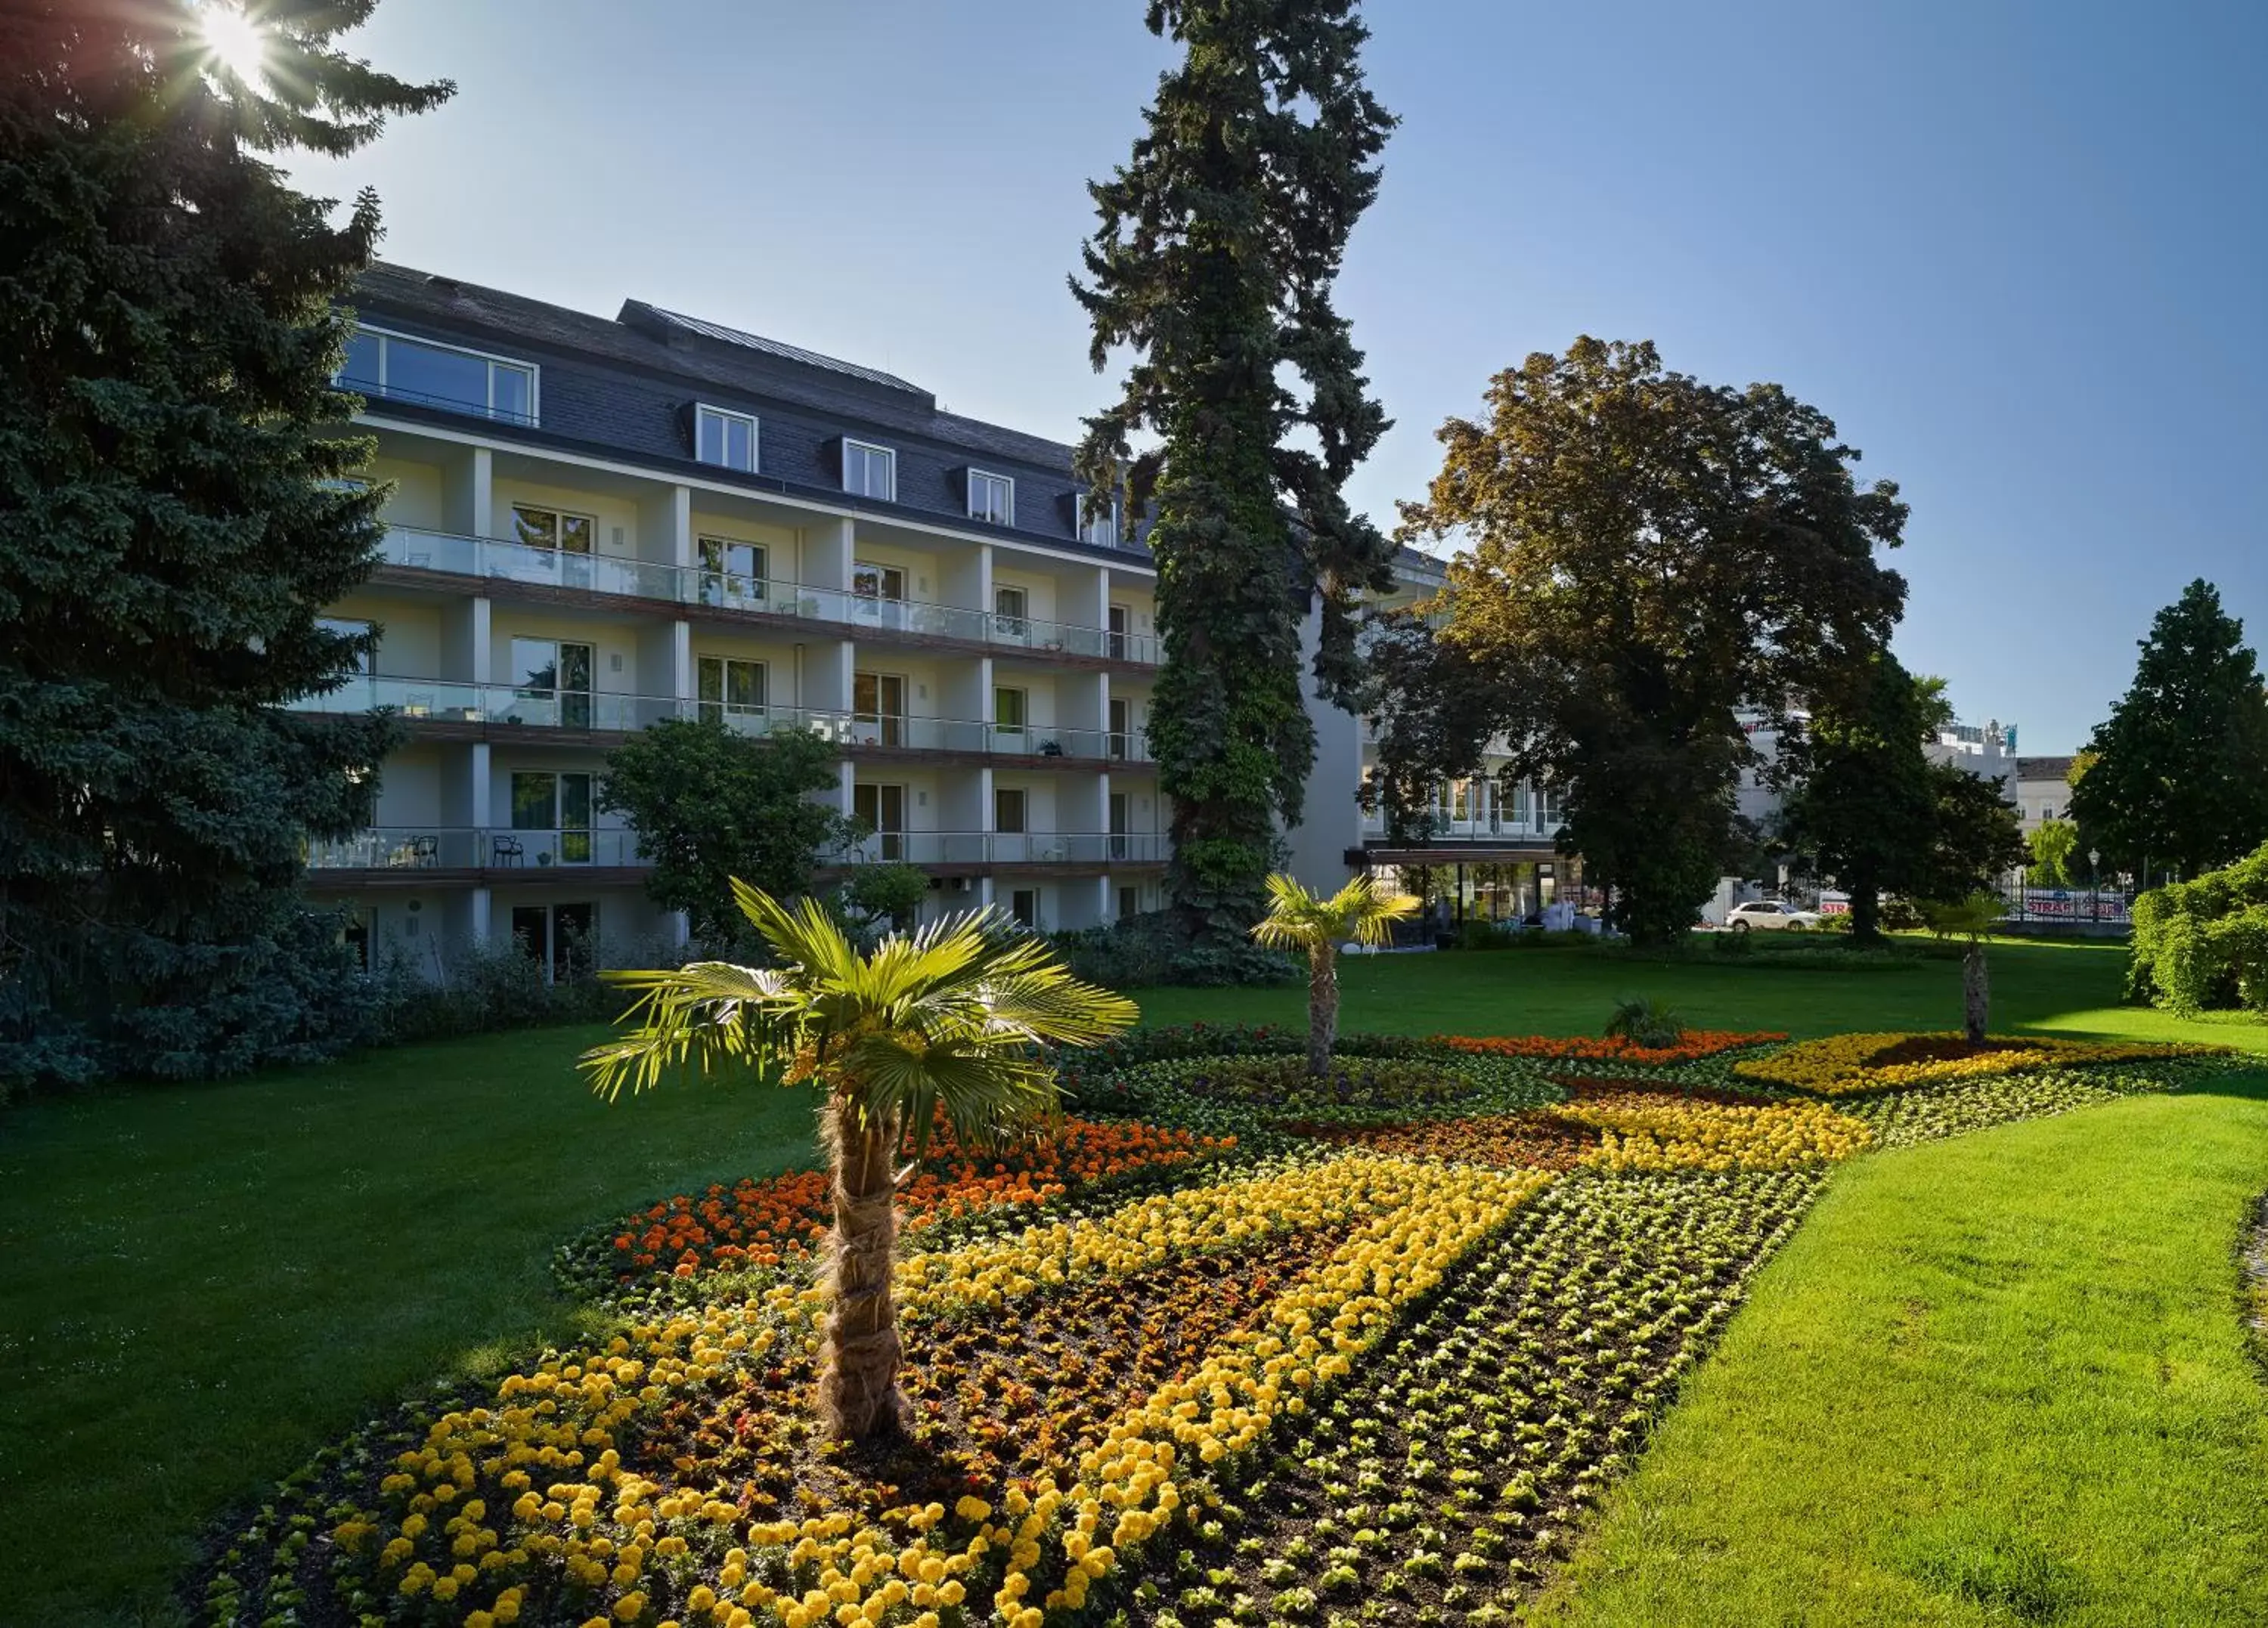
[1213, 264]
[1865, 805]
[1652, 555]
[2179, 772]
[712, 803]
[172, 519]
[2052, 846]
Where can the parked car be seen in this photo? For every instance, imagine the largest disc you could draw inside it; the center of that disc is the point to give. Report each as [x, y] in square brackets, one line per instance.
[1772, 913]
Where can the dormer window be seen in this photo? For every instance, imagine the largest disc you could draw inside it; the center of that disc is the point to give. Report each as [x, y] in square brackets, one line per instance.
[1100, 528]
[869, 471]
[991, 498]
[723, 438]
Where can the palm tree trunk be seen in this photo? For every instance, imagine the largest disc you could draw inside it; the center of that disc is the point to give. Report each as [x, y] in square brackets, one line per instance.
[1322, 1007]
[1977, 993]
[858, 1395]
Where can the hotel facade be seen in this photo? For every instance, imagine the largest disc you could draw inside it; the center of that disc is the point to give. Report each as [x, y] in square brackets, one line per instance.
[594, 525]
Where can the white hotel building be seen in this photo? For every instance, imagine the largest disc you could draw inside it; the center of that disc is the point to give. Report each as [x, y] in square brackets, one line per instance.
[594, 525]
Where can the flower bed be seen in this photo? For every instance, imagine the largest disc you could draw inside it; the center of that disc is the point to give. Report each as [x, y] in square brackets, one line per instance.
[766, 1223]
[1846, 1065]
[1356, 1370]
[1694, 1045]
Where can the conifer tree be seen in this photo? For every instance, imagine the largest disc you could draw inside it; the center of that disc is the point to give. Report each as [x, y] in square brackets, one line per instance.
[2177, 776]
[1213, 263]
[173, 518]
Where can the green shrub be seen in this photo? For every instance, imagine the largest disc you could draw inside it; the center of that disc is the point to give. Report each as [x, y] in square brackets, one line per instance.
[1144, 952]
[2203, 945]
[1641, 1023]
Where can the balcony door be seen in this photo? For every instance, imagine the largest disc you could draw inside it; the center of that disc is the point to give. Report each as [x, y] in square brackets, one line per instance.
[556, 937]
[878, 704]
[732, 692]
[551, 682]
[1122, 728]
[1118, 826]
[557, 806]
[732, 573]
[565, 537]
[877, 594]
[882, 810]
[1121, 624]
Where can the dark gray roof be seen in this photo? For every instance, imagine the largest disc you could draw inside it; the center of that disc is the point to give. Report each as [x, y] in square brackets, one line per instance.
[2043, 768]
[701, 352]
[638, 313]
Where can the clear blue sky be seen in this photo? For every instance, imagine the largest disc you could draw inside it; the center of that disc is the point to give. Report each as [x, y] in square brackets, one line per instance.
[2018, 251]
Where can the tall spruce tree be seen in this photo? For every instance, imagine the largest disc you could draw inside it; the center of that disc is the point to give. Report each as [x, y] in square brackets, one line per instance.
[171, 521]
[1213, 263]
[2177, 777]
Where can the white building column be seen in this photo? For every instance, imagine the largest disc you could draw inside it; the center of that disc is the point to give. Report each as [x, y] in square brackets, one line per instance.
[476, 915]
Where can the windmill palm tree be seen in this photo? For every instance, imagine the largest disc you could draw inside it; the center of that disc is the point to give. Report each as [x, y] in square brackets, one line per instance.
[1299, 919]
[946, 1021]
[1972, 918]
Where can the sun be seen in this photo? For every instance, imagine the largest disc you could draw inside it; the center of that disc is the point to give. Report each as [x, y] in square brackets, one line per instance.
[237, 43]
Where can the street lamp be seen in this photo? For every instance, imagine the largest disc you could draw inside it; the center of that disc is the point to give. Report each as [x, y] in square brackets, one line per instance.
[2094, 888]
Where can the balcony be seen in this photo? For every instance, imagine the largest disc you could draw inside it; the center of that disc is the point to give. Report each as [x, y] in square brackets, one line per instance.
[442, 701]
[468, 709]
[691, 587]
[1518, 827]
[417, 853]
[1084, 850]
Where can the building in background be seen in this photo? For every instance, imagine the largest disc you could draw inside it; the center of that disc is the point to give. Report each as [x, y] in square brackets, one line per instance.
[1491, 848]
[2043, 790]
[596, 525]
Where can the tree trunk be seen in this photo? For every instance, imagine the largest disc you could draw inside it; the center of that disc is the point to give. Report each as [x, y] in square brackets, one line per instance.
[1866, 908]
[1322, 1007]
[858, 1395]
[1977, 993]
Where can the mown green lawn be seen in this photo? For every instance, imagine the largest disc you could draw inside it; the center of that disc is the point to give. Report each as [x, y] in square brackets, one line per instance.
[1997, 1379]
[202, 1285]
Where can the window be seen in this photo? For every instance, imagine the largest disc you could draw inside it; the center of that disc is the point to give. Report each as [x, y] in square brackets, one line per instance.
[1118, 825]
[551, 683]
[870, 580]
[567, 538]
[558, 806]
[1130, 903]
[882, 810]
[393, 368]
[991, 498]
[1121, 618]
[1011, 608]
[1008, 810]
[878, 702]
[732, 571]
[870, 471]
[1461, 800]
[558, 938]
[728, 440]
[730, 688]
[1024, 906]
[1009, 713]
[1100, 528]
[1121, 726]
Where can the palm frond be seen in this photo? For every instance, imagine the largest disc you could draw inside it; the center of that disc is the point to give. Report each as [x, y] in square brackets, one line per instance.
[700, 1015]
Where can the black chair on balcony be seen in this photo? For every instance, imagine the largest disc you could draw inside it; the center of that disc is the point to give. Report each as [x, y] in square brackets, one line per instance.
[506, 851]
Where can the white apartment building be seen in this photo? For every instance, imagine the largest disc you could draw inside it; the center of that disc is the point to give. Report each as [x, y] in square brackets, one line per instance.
[594, 525]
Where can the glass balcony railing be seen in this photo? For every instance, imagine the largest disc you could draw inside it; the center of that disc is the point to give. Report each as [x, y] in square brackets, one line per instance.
[461, 847]
[1001, 847]
[495, 560]
[441, 701]
[1512, 827]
